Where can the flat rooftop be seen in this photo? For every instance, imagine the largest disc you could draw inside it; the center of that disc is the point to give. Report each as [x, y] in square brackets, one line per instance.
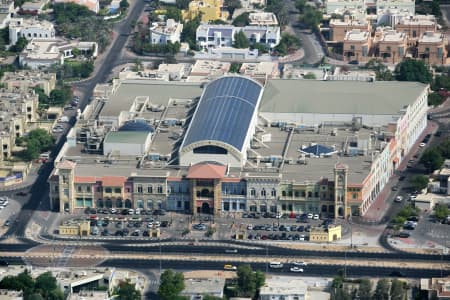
[338, 97]
[159, 93]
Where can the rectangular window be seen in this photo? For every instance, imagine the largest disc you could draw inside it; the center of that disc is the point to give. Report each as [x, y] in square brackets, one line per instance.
[290, 207]
[242, 206]
[178, 204]
[117, 190]
[79, 189]
[79, 202]
[99, 189]
[88, 202]
[233, 205]
[226, 206]
[108, 190]
[150, 189]
[88, 189]
[66, 192]
[139, 189]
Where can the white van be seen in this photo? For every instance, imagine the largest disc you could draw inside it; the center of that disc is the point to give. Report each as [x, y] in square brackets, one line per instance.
[275, 265]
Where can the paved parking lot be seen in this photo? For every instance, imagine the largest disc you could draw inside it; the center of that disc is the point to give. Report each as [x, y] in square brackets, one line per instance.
[428, 231]
[8, 213]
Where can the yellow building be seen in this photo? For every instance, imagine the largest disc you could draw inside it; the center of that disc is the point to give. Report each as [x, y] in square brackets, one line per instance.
[320, 235]
[209, 10]
[80, 229]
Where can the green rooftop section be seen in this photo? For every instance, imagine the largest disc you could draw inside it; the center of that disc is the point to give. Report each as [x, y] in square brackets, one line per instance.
[126, 137]
[339, 97]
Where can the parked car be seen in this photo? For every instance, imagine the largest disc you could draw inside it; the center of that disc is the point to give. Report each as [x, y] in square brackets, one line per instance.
[229, 267]
[299, 264]
[296, 270]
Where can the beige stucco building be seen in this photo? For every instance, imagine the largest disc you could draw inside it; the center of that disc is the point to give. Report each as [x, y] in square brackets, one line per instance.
[416, 26]
[431, 48]
[391, 45]
[339, 28]
[357, 45]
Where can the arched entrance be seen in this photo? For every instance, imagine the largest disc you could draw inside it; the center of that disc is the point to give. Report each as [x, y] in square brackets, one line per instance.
[205, 208]
[119, 203]
[99, 203]
[108, 203]
[127, 203]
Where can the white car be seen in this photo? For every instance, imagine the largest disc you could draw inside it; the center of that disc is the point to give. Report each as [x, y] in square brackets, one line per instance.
[310, 216]
[398, 199]
[156, 224]
[150, 225]
[296, 270]
[57, 130]
[302, 237]
[299, 264]
[422, 144]
[316, 217]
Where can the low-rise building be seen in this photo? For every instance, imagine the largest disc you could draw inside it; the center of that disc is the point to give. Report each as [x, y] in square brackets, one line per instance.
[262, 19]
[34, 7]
[216, 36]
[164, 32]
[261, 70]
[11, 295]
[404, 7]
[416, 26]
[93, 5]
[283, 287]
[432, 48]
[357, 45]
[174, 72]
[30, 29]
[194, 288]
[41, 53]
[204, 70]
[89, 295]
[75, 228]
[325, 235]
[25, 79]
[391, 45]
[437, 288]
[339, 28]
[355, 8]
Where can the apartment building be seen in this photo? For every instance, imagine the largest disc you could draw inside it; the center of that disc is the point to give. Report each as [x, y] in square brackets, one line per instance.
[339, 28]
[416, 26]
[164, 32]
[346, 139]
[404, 7]
[217, 36]
[391, 45]
[432, 48]
[30, 29]
[357, 45]
[17, 110]
[24, 80]
[34, 7]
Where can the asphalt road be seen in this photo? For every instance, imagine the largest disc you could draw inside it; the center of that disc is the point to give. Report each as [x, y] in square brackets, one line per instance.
[313, 50]
[310, 270]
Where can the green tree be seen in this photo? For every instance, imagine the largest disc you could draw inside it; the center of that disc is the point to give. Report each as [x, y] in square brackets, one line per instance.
[311, 17]
[249, 282]
[127, 291]
[182, 4]
[242, 20]
[441, 211]
[382, 72]
[444, 148]
[434, 99]
[381, 290]
[235, 67]
[432, 159]
[20, 44]
[260, 47]
[173, 13]
[189, 32]
[397, 291]
[171, 285]
[279, 9]
[338, 292]
[300, 5]
[365, 289]
[124, 5]
[419, 182]
[240, 40]
[413, 70]
[288, 43]
[232, 5]
[60, 96]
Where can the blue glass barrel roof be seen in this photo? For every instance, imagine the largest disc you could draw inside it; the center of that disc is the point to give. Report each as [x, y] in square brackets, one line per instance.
[225, 111]
[136, 125]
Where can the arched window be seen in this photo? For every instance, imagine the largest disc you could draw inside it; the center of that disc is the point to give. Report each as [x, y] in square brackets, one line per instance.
[253, 192]
[160, 189]
[283, 193]
[263, 193]
[273, 193]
